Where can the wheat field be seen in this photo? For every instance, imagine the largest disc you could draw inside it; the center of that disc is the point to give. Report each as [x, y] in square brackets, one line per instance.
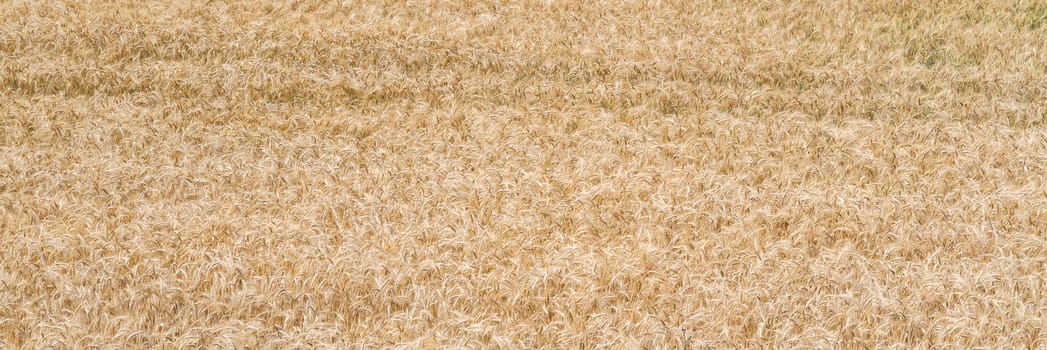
[523, 174]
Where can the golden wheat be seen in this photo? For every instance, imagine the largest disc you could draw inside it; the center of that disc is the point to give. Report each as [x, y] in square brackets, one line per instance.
[524, 174]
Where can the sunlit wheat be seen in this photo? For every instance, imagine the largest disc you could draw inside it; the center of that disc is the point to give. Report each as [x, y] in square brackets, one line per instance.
[523, 174]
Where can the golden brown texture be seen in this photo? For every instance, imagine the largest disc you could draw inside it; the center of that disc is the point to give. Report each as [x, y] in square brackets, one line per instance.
[564, 174]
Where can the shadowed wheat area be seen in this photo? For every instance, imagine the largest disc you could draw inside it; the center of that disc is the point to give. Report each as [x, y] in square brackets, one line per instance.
[523, 174]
